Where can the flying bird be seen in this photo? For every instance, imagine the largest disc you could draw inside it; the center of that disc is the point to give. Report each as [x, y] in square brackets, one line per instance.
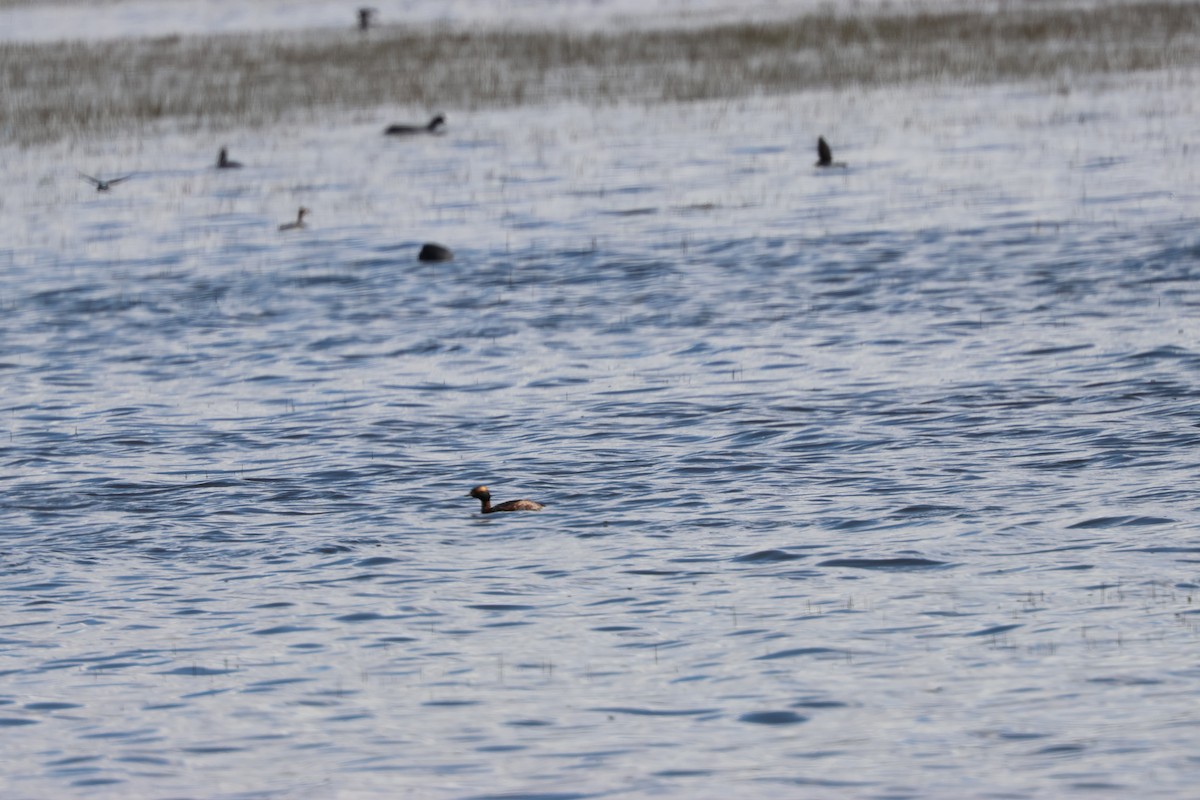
[104, 186]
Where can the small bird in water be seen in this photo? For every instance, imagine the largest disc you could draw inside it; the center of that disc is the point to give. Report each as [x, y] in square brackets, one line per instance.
[365, 17]
[298, 224]
[104, 186]
[223, 161]
[434, 252]
[435, 126]
[825, 155]
[482, 494]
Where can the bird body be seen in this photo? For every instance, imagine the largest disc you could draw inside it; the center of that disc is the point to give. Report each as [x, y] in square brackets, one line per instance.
[299, 222]
[435, 126]
[482, 494]
[223, 161]
[825, 155]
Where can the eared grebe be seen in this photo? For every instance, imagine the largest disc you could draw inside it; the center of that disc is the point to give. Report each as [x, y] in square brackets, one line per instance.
[434, 252]
[482, 494]
[104, 186]
[825, 155]
[223, 161]
[298, 224]
[435, 126]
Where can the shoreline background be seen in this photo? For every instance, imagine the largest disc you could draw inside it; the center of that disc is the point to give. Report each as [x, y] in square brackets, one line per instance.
[220, 81]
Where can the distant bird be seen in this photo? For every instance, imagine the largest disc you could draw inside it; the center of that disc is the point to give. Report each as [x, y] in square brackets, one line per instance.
[825, 155]
[434, 252]
[482, 494]
[298, 224]
[365, 17]
[223, 161]
[435, 126]
[104, 186]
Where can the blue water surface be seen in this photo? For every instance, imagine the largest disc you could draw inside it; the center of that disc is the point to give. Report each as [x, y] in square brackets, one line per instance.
[875, 482]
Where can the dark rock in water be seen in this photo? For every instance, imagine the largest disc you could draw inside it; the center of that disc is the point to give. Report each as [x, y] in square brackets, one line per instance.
[434, 252]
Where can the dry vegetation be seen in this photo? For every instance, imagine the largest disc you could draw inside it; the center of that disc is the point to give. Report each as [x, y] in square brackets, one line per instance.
[77, 88]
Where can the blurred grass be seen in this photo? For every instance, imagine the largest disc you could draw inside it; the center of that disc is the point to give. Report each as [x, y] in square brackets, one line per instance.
[71, 89]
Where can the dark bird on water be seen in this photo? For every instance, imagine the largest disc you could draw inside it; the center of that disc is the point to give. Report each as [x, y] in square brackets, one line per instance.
[223, 161]
[104, 186]
[482, 494]
[434, 252]
[299, 222]
[365, 17]
[435, 125]
[825, 155]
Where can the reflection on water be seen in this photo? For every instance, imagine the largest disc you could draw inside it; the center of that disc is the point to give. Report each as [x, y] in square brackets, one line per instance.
[873, 480]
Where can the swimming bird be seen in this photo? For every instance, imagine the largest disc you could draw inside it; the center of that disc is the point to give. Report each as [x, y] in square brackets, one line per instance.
[434, 252]
[825, 155]
[482, 494]
[223, 161]
[435, 126]
[365, 16]
[104, 186]
[298, 224]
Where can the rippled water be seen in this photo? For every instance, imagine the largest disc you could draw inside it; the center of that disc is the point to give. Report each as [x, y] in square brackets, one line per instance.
[861, 483]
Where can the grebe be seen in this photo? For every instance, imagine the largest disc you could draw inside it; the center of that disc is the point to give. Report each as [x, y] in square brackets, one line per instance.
[434, 252]
[103, 186]
[298, 224]
[482, 494]
[223, 161]
[435, 126]
[825, 155]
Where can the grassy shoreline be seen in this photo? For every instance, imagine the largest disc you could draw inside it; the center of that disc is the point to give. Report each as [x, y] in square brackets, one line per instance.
[86, 89]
